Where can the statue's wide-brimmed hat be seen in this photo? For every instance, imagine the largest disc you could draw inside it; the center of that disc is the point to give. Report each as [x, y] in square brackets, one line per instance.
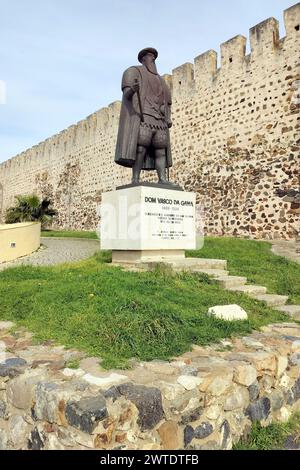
[146, 51]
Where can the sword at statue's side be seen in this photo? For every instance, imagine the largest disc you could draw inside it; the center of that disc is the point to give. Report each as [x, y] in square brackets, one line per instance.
[139, 100]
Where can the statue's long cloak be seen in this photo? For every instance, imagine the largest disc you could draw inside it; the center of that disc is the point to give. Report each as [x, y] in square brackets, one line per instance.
[130, 119]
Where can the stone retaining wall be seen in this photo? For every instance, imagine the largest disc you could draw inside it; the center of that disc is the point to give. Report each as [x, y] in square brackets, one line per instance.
[20, 239]
[205, 399]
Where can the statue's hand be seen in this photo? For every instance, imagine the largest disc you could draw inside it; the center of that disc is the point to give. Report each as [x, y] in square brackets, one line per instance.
[169, 123]
[135, 87]
[131, 90]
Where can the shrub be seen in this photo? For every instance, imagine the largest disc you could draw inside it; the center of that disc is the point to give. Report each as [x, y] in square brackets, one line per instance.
[30, 208]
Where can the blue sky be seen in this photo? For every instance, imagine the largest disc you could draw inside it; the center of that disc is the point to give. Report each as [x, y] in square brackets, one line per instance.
[62, 60]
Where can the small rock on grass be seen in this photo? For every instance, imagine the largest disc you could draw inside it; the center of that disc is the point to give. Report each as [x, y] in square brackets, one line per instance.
[228, 312]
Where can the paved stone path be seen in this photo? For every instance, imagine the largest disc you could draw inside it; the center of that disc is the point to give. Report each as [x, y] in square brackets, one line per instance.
[287, 249]
[56, 251]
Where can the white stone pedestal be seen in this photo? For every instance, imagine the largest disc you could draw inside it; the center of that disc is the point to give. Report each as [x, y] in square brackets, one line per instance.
[147, 223]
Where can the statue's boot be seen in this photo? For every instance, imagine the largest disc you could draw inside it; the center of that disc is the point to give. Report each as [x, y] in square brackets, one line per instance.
[138, 165]
[162, 178]
[170, 184]
[135, 176]
[161, 172]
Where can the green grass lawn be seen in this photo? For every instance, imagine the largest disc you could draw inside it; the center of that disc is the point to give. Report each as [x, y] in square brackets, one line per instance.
[272, 437]
[255, 261]
[117, 315]
[69, 234]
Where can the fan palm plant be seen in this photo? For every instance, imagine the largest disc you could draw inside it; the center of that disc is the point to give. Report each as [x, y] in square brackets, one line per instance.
[30, 208]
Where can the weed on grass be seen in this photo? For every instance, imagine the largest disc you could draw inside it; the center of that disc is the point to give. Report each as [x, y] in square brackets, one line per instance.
[276, 436]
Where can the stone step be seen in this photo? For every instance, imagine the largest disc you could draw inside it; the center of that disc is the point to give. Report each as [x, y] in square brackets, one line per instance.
[231, 281]
[203, 263]
[211, 272]
[130, 267]
[249, 289]
[187, 264]
[291, 310]
[272, 300]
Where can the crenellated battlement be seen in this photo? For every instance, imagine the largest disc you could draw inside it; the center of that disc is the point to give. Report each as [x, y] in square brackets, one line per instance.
[264, 38]
[205, 67]
[264, 43]
[233, 53]
[183, 78]
[292, 21]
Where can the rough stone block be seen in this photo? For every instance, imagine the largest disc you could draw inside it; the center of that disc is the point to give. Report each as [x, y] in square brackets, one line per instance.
[12, 367]
[225, 438]
[188, 435]
[148, 401]
[294, 393]
[238, 399]
[221, 383]
[104, 382]
[20, 391]
[86, 413]
[282, 363]
[259, 410]
[50, 401]
[18, 431]
[228, 312]
[294, 359]
[170, 435]
[203, 430]
[244, 374]
[263, 361]
[193, 415]
[189, 382]
[36, 439]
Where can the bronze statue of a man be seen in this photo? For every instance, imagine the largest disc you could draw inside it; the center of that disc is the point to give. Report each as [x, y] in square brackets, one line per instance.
[143, 138]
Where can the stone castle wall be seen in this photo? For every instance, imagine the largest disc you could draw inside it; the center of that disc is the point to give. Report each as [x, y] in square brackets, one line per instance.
[235, 141]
